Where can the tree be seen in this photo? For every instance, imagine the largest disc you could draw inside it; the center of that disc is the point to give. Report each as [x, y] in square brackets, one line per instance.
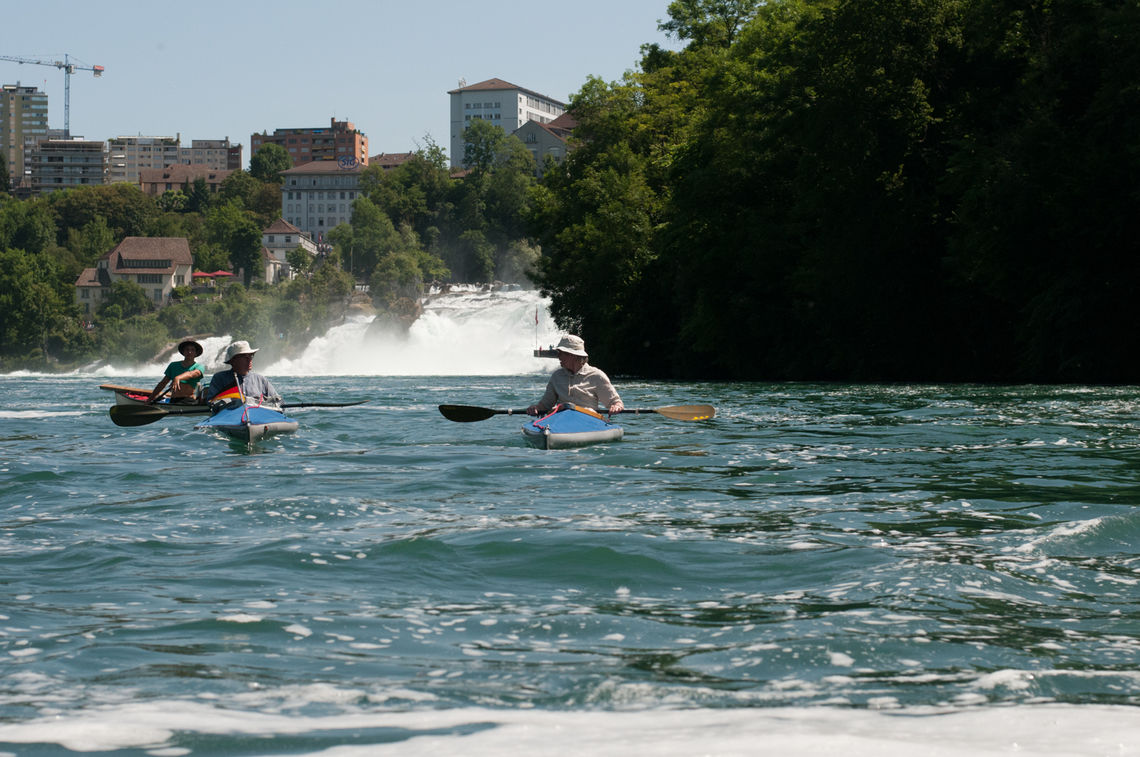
[124, 207]
[300, 260]
[708, 22]
[128, 298]
[235, 231]
[5, 179]
[268, 162]
[482, 141]
[27, 225]
[30, 306]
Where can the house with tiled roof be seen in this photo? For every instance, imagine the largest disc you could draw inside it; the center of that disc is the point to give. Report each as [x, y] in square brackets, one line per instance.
[389, 160]
[157, 264]
[156, 181]
[277, 240]
[547, 140]
[506, 105]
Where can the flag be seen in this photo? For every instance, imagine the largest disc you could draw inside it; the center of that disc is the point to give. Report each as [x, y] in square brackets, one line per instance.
[536, 315]
[232, 393]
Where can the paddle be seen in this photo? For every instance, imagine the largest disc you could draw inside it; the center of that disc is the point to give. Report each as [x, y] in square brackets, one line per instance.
[468, 413]
[322, 404]
[141, 415]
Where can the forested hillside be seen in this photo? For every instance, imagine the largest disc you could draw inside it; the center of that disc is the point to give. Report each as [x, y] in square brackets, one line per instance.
[859, 189]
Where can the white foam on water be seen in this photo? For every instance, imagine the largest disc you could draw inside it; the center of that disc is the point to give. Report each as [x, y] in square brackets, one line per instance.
[1046, 730]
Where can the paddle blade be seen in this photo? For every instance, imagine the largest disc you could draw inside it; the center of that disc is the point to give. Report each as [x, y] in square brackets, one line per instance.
[141, 415]
[465, 413]
[688, 412]
[136, 415]
[679, 412]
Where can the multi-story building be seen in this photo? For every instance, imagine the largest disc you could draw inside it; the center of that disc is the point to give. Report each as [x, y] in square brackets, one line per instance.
[340, 142]
[23, 115]
[218, 154]
[157, 264]
[51, 164]
[504, 104]
[130, 156]
[317, 196]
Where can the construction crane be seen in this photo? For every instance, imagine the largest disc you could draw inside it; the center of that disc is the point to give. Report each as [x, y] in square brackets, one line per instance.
[68, 69]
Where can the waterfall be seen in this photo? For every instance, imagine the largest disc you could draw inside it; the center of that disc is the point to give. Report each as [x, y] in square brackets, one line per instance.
[465, 332]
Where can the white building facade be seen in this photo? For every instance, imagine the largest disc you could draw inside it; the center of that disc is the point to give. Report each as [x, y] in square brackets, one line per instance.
[317, 197]
[506, 105]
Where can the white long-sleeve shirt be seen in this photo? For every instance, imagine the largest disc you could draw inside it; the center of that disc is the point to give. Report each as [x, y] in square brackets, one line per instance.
[589, 387]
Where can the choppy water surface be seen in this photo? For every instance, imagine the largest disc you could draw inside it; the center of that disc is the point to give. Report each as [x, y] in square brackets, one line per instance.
[819, 562]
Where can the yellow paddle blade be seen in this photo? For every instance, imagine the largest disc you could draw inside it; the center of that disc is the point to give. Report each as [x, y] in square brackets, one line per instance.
[687, 412]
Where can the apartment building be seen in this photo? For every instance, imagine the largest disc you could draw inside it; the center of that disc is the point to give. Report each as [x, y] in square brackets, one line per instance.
[61, 163]
[129, 157]
[317, 196]
[506, 105]
[23, 115]
[341, 141]
[218, 154]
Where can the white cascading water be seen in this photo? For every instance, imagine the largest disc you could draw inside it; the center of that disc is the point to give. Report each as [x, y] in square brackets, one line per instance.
[466, 332]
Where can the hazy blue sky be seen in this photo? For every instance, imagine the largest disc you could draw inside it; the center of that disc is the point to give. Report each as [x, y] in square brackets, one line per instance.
[211, 69]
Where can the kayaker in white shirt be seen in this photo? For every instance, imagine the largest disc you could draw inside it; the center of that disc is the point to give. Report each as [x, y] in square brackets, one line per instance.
[577, 382]
[254, 387]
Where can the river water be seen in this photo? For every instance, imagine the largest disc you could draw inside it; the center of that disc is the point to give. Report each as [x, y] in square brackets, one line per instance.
[821, 569]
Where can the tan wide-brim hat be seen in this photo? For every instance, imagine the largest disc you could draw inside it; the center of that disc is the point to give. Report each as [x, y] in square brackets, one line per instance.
[238, 348]
[572, 345]
[197, 347]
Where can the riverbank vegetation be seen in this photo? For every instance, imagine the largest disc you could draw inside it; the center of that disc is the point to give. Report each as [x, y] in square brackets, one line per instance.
[859, 189]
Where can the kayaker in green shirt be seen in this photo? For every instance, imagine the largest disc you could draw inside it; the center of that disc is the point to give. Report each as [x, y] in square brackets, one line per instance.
[577, 382]
[183, 374]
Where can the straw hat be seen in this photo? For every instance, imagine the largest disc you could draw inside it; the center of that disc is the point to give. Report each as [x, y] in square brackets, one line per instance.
[238, 348]
[572, 345]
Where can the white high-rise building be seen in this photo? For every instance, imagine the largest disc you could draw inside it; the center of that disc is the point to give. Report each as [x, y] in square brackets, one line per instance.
[504, 104]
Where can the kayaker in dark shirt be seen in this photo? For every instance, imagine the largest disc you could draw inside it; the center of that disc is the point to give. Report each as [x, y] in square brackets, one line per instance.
[252, 386]
[577, 382]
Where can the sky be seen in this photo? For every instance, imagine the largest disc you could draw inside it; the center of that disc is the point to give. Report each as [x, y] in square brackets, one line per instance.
[211, 69]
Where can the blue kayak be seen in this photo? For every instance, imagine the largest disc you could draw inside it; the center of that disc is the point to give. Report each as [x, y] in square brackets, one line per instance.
[249, 423]
[570, 426]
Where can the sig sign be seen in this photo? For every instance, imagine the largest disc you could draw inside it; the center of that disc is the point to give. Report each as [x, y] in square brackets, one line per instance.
[346, 163]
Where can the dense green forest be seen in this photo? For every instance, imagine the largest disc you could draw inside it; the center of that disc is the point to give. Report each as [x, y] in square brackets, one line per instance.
[859, 189]
[915, 190]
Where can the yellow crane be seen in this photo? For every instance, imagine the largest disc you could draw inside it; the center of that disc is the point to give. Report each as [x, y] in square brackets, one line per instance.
[68, 69]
